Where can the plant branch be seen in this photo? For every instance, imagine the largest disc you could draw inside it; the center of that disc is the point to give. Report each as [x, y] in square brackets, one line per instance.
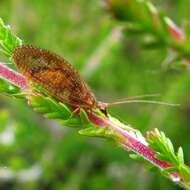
[127, 137]
[157, 30]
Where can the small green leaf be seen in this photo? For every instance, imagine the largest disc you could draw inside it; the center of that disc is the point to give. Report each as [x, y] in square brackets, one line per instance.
[84, 117]
[8, 41]
[98, 132]
[162, 156]
[163, 137]
[163, 145]
[170, 145]
[49, 107]
[180, 155]
[72, 122]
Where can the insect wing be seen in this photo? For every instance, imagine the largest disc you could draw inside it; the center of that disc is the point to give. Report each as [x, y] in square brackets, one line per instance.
[55, 74]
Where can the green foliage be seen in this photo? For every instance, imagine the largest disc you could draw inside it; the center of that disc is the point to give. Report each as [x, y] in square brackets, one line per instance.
[98, 132]
[8, 41]
[49, 107]
[124, 70]
[54, 110]
[163, 145]
[141, 18]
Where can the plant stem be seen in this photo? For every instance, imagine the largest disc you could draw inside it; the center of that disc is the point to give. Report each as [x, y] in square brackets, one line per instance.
[134, 144]
[13, 77]
[128, 141]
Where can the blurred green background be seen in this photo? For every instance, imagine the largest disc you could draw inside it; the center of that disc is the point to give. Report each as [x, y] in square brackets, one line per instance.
[36, 153]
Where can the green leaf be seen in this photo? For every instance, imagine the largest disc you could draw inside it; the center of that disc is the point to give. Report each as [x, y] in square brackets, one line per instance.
[72, 122]
[170, 145]
[84, 117]
[180, 155]
[163, 145]
[98, 132]
[162, 156]
[8, 41]
[49, 107]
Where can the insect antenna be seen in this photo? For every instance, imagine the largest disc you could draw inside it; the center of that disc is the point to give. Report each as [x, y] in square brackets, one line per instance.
[138, 99]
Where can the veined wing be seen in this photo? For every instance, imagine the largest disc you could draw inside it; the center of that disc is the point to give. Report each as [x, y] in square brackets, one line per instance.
[54, 73]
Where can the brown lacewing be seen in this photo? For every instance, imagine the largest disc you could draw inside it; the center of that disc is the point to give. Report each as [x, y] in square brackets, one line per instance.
[61, 80]
[57, 76]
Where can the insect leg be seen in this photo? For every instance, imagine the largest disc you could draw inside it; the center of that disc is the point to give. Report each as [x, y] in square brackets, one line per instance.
[76, 111]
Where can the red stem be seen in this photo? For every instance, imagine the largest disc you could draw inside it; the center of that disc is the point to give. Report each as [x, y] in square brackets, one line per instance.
[13, 77]
[134, 144]
[130, 142]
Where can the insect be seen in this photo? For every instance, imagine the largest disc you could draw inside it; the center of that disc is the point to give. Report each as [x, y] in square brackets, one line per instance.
[61, 80]
[56, 75]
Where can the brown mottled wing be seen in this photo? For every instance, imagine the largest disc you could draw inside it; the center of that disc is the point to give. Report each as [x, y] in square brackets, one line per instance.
[55, 74]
